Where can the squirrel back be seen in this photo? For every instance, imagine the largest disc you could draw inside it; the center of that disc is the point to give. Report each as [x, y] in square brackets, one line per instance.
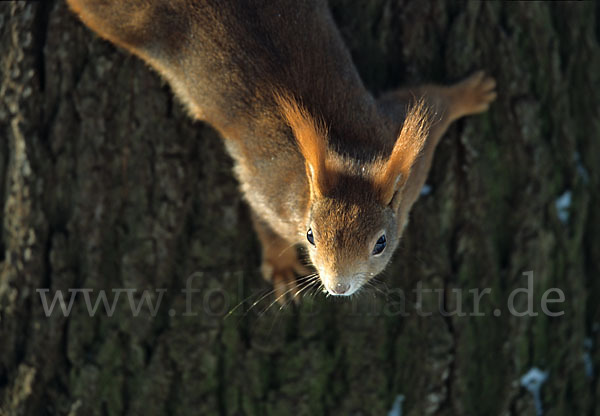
[227, 59]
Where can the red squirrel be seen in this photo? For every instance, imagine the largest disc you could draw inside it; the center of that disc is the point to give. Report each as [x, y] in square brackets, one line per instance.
[321, 162]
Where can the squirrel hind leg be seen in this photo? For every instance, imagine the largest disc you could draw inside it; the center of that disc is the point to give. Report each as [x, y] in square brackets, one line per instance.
[473, 95]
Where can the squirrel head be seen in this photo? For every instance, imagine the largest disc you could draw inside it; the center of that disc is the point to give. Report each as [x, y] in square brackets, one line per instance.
[354, 218]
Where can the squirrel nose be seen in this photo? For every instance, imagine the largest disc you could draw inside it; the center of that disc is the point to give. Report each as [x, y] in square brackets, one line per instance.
[340, 288]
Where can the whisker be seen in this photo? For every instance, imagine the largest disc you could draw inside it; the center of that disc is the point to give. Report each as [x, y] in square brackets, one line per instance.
[311, 291]
[240, 304]
[286, 249]
[307, 283]
[321, 287]
[261, 296]
[276, 300]
[378, 280]
[307, 277]
[306, 286]
[369, 284]
[258, 301]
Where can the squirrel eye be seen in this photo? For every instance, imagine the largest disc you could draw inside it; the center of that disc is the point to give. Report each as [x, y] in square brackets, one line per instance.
[310, 237]
[379, 245]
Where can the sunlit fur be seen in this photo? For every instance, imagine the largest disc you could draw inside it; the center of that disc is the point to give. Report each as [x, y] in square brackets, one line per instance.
[346, 223]
[353, 203]
[393, 171]
[311, 137]
[311, 146]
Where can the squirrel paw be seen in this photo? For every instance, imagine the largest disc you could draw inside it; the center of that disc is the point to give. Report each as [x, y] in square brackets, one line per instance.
[475, 94]
[281, 272]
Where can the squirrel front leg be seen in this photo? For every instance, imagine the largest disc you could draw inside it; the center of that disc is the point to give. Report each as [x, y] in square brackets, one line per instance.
[446, 104]
[280, 263]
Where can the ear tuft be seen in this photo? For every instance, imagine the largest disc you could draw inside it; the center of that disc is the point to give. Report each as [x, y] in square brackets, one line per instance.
[310, 134]
[407, 149]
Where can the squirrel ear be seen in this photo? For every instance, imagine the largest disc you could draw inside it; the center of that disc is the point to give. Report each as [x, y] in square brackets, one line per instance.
[310, 134]
[393, 175]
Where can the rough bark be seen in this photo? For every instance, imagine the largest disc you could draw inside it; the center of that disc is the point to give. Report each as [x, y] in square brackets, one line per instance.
[105, 183]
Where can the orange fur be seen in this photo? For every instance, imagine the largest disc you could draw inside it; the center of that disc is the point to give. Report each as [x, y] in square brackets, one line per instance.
[224, 59]
[311, 137]
[394, 174]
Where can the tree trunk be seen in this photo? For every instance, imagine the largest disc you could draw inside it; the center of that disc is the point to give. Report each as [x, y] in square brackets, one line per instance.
[107, 185]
